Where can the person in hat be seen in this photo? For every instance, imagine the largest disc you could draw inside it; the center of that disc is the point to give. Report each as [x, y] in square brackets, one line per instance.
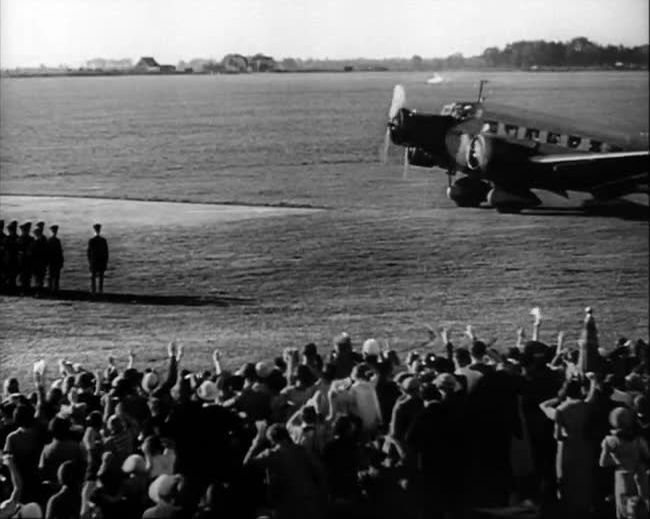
[55, 259]
[297, 479]
[97, 254]
[10, 258]
[24, 260]
[363, 394]
[38, 254]
[408, 406]
[67, 501]
[164, 492]
[628, 453]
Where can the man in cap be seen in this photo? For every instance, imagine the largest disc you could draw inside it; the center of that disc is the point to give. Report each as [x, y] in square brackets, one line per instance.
[97, 254]
[24, 260]
[55, 259]
[10, 256]
[38, 256]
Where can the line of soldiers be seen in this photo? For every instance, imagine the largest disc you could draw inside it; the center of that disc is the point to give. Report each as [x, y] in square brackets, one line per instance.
[28, 257]
[25, 258]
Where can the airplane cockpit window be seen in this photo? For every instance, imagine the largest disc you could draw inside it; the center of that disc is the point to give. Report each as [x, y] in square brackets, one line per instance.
[460, 110]
[532, 134]
[511, 130]
[573, 141]
[553, 138]
[595, 146]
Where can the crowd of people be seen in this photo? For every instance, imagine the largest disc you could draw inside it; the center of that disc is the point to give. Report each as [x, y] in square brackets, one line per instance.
[28, 258]
[535, 429]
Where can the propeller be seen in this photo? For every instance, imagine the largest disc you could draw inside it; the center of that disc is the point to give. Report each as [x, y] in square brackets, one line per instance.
[397, 102]
[405, 170]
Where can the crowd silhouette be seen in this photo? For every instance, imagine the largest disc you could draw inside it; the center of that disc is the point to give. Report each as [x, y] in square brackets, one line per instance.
[530, 431]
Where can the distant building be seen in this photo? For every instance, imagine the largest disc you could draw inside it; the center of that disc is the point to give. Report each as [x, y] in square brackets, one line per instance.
[150, 66]
[261, 63]
[234, 64]
[147, 64]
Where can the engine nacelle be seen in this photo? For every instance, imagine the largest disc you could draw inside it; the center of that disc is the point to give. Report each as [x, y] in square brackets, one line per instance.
[426, 131]
[421, 158]
[468, 192]
[512, 201]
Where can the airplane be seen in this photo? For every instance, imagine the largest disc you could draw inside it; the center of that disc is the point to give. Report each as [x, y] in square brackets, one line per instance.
[502, 157]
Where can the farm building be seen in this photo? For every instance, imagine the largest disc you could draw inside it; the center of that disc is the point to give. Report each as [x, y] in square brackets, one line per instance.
[234, 63]
[149, 65]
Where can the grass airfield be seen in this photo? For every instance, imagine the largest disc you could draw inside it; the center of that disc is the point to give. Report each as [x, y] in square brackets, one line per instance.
[299, 251]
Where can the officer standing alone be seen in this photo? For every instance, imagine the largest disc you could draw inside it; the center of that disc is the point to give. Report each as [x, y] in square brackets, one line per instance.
[97, 259]
[55, 259]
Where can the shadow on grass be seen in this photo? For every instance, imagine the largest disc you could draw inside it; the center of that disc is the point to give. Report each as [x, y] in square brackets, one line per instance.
[133, 299]
[623, 209]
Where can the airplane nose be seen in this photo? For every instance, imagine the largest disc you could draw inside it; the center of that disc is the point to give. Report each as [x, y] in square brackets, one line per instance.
[424, 131]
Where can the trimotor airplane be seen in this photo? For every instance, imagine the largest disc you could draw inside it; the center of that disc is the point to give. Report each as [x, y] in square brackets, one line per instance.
[503, 157]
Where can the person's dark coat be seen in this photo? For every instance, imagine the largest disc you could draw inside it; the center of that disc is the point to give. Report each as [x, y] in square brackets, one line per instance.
[38, 253]
[24, 249]
[97, 254]
[55, 253]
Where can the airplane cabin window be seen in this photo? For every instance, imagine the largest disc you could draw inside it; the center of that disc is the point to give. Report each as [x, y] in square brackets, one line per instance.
[595, 146]
[574, 141]
[493, 126]
[532, 134]
[511, 130]
[553, 138]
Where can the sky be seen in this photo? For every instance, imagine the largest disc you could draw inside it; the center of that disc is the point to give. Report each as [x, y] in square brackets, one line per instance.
[70, 32]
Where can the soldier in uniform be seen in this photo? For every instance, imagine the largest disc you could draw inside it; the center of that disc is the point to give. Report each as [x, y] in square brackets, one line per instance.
[38, 257]
[11, 261]
[55, 259]
[24, 263]
[97, 259]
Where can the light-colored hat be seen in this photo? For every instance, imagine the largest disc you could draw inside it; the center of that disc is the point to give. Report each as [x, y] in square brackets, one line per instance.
[208, 391]
[149, 381]
[30, 511]
[264, 368]
[162, 487]
[134, 463]
[371, 347]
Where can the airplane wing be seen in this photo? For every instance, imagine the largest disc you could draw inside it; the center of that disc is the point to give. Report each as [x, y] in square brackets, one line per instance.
[605, 175]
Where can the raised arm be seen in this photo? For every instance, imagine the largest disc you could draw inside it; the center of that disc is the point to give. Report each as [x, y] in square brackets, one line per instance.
[449, 347]
[521, 339]
[469, 332]
[559, 351]
[172, 367]
[216, 360]
[548, 407]
[537, 322]
[16, 480]
[131, 359]
[258, 443]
